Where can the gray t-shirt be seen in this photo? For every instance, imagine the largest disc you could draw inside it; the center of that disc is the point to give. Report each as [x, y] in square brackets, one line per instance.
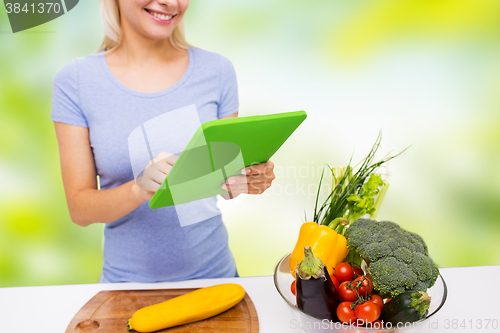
[149, 245]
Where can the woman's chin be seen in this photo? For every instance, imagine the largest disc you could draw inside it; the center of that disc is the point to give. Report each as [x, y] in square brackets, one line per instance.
[159, 34]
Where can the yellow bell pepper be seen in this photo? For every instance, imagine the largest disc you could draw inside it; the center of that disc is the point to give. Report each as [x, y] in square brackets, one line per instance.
[325, 243]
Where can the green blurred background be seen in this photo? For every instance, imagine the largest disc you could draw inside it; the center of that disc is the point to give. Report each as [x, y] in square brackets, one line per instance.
[426, 73]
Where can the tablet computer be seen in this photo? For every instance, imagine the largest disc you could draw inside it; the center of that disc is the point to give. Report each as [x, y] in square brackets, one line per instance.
[220, 149]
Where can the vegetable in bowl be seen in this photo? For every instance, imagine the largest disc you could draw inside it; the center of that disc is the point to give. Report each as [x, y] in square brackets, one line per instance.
[407, 307]
[397, 260]
[312, 324]
[316, 293]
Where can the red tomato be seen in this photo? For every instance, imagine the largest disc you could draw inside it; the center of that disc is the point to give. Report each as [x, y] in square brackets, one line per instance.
[292, 287]
[367, 311]
[346, 293]
[364, 284]
[344, 272]
[345, 313]
[335, 282]
[358, 271]
[377, 300]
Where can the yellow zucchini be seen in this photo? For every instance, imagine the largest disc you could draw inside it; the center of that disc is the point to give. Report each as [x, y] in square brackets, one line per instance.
[197, 305]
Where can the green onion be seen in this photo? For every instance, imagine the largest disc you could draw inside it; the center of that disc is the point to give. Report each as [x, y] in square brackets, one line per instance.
[353, 194]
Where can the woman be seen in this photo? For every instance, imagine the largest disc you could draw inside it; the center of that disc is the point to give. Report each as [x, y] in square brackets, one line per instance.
[144, 69]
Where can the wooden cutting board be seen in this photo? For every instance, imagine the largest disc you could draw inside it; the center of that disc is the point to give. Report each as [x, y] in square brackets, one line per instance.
[109, 311]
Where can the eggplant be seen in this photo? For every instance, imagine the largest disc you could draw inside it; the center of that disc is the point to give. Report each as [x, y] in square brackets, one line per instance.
[407, 307]
[316, 294]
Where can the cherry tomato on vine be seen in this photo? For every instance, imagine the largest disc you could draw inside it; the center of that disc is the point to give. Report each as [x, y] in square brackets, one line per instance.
[346, 293]
[358, 271]
[335, 282]
[364, 285]
[377, 300]
[368, 312]
[345, 313]
[292, 287]
[344, 272]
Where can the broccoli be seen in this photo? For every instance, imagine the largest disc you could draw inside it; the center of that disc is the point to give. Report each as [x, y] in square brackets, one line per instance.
[397, 260]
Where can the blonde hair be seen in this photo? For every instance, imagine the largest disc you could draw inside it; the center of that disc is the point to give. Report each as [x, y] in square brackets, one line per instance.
[110, 16]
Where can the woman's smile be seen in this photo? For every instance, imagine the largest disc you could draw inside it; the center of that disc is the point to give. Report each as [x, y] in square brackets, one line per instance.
[160, 17]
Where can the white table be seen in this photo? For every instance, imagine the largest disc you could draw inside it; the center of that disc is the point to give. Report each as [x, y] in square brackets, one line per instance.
[51, 308]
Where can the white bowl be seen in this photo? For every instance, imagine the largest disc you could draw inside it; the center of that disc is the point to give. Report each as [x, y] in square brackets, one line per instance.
[283, 280]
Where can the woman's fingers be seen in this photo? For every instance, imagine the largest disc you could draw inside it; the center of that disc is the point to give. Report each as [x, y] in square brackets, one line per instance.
[237, 180]
[170, 159]
[250, 188]
[162, 156]
[154, 175]
[234, 193]
[163, 166]
[253, 180]
[236, 190]
[156, 171]
[157, 175]
[147, 184]
[166, 157]
[260, 172]
[262, 169]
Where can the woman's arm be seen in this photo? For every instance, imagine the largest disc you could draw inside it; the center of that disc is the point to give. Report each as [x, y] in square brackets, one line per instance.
[87, 204]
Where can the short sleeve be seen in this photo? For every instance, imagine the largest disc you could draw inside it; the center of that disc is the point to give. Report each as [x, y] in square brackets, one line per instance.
[66, 97]
[229, 103]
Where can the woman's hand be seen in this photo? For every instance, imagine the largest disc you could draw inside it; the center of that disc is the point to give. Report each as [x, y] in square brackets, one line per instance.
[253, 180]
[148, 183]
[88, 205]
